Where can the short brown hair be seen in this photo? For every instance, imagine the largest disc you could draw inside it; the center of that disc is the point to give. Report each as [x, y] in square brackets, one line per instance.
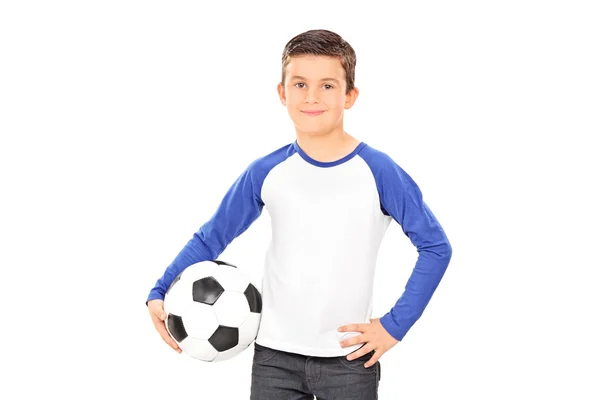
[321, 42]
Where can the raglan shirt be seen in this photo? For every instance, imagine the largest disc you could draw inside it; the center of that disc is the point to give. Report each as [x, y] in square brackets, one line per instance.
[328, 220]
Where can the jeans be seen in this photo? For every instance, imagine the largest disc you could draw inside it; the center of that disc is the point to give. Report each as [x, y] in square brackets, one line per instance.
[279, 375]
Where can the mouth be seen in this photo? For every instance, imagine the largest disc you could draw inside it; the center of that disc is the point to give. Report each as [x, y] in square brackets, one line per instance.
[313, 113]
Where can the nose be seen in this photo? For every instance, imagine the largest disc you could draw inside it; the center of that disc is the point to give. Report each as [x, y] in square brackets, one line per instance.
[312, 96]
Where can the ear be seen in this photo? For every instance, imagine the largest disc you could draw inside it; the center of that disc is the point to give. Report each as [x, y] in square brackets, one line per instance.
[281, 92]
[351, 98]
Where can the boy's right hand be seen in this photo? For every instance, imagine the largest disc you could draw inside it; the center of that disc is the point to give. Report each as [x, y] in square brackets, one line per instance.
[158, 315]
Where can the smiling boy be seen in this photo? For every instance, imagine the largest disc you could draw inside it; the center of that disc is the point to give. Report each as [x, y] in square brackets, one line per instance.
[331, 198]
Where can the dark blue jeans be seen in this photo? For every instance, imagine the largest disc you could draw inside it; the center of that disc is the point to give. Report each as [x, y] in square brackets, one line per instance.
[279, 375]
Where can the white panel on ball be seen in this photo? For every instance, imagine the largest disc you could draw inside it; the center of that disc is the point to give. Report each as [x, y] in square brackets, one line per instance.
[198, 348]
[231, 278]
[249, 329]
[199, 320]
[200, 269]
[231, 309]
[178, 297]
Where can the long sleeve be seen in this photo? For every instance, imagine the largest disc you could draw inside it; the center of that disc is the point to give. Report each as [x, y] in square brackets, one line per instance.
[240, 207]
[402, 199]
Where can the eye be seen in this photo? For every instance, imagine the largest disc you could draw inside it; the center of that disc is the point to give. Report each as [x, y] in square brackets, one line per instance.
[329, 86]
[299, 83]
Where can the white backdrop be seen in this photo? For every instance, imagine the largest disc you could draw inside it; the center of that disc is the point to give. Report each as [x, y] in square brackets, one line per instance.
[123, 123]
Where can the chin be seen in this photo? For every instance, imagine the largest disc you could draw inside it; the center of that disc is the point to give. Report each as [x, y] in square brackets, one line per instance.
[312, 131]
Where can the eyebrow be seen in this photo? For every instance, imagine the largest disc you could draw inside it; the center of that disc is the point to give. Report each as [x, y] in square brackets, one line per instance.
[324, 79]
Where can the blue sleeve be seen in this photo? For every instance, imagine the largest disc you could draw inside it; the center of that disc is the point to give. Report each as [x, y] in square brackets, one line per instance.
[240, 207]
[402, 199]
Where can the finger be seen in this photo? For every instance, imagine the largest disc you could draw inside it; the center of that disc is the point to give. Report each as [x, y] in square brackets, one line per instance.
[352, 328]
[158, 316]
[158, 310]
[373, 359]
[354, 340]
[348, 328]
[164, 334]
[360, 352]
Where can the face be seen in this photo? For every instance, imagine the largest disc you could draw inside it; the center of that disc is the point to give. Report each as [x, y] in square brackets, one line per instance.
[314, 93]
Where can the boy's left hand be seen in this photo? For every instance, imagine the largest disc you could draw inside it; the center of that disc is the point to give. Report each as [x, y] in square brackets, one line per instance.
[373, 335]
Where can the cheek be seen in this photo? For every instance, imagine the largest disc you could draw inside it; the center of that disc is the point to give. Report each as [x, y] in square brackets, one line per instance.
[335, 100]
[337, 106]
[294, 97]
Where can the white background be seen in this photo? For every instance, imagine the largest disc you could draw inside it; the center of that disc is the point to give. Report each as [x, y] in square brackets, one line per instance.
[123, 123]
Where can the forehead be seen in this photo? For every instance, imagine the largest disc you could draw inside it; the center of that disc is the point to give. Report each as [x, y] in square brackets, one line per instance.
[315, 67]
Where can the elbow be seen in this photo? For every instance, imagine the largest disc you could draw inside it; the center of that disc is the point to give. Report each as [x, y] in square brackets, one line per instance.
[445, 253]
[442, 253]
[442, 250]
[448, 251]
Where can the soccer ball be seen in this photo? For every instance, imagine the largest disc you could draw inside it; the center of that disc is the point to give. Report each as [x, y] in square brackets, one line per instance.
[213, 311]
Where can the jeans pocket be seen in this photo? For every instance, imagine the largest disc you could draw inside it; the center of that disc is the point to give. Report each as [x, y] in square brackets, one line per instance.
[358, 364]
[263, 354]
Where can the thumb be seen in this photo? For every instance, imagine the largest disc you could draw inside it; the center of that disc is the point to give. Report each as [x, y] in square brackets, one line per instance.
[159, 312]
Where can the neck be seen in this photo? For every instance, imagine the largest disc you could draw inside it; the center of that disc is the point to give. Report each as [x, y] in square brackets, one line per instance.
[326, 147]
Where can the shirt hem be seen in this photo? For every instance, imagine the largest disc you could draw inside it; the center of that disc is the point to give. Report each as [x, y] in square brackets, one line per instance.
[306, 351]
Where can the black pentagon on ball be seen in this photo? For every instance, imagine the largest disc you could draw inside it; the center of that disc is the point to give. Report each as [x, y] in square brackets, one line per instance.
[207, 290]
[175, 325]
[254, 300]
[224, 338]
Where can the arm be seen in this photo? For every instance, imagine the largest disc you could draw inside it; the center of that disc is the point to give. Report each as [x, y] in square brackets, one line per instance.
[240, 207]
[402, 199]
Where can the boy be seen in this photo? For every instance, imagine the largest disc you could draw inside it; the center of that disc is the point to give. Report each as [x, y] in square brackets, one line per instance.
[331, 198]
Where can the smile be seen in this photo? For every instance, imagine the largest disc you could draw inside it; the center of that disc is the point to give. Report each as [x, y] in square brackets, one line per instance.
[313, 113]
